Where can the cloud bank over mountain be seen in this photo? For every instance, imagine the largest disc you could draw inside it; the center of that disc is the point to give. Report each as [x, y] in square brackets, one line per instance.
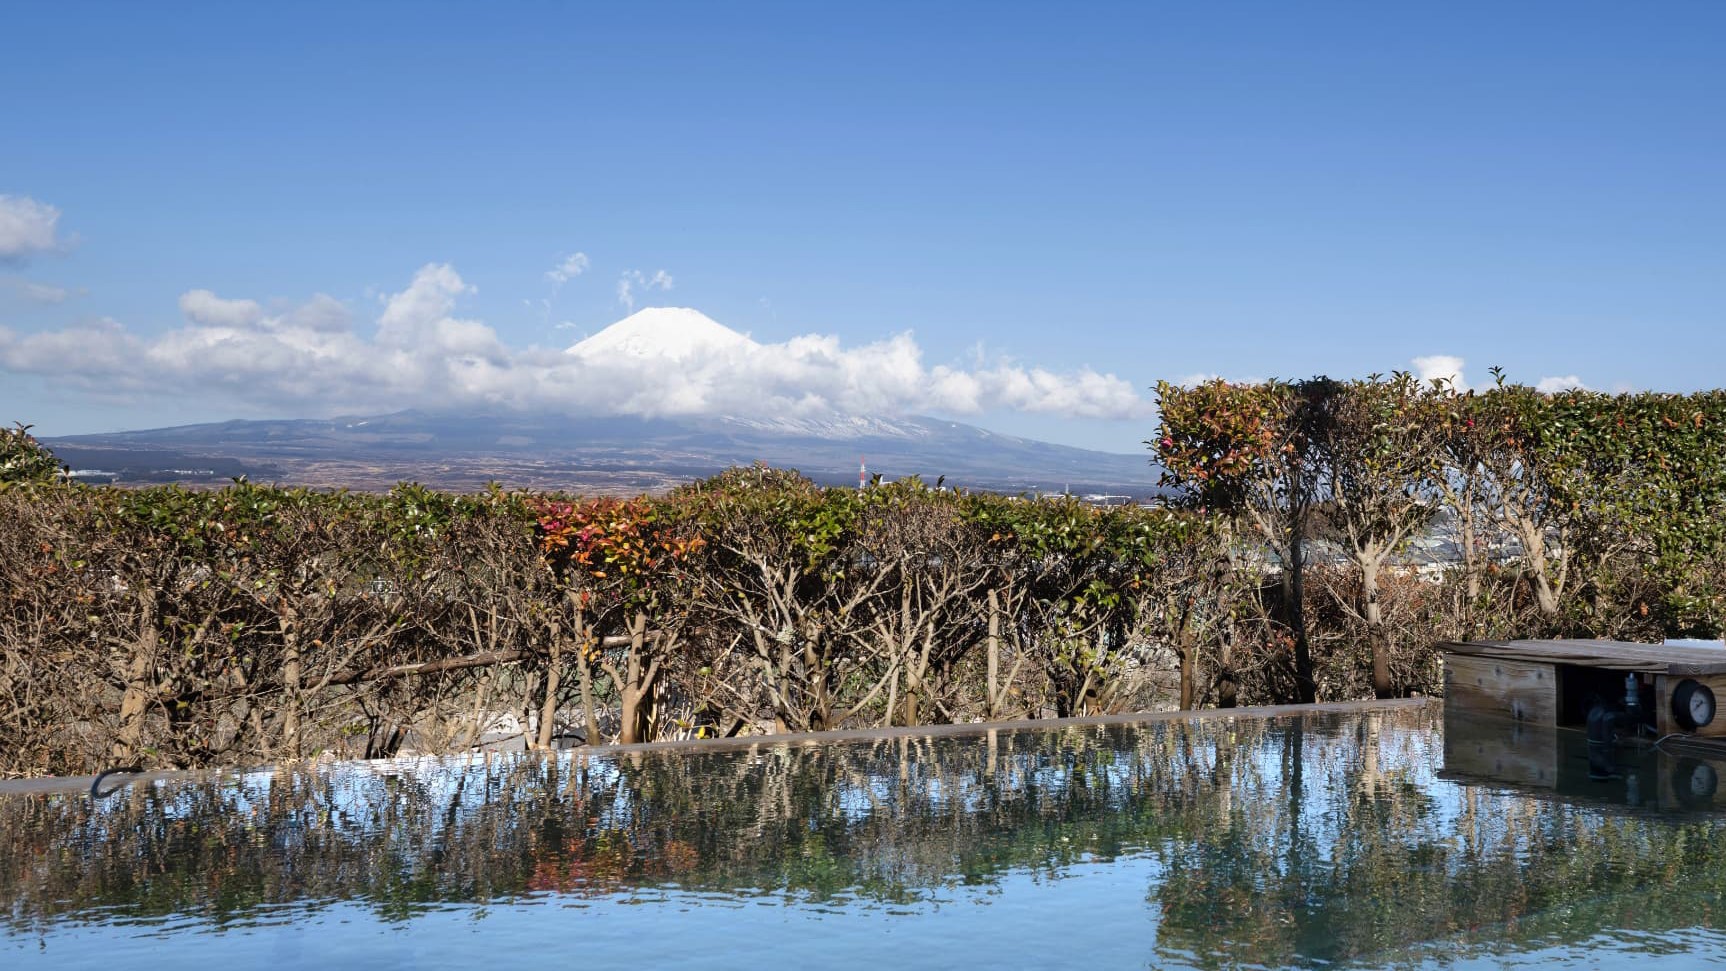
[659, 362]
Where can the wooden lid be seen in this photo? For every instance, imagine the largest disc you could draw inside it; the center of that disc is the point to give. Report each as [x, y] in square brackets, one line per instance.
[1611, 655]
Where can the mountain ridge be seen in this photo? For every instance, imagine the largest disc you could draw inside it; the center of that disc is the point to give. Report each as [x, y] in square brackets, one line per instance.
[618, 453]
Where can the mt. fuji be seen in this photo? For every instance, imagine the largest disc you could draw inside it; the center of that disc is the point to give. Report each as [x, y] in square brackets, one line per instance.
[670, 435]
[671, 333]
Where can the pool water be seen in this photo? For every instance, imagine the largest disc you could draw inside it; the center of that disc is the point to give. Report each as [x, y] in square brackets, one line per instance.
[1319, 839]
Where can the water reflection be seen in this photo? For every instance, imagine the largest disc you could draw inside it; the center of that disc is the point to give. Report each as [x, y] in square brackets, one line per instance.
[1328, 838]
[1676, 775]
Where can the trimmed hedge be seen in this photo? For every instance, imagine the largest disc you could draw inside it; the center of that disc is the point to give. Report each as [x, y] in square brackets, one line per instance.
[251, 623]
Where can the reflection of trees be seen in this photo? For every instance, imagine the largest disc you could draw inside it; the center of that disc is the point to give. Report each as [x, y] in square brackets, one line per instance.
[1278, 841]
[893, 819]
[1370, 861]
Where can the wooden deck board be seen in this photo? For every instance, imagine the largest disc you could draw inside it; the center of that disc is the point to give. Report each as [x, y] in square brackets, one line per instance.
[1514, 689]
[1611, 655]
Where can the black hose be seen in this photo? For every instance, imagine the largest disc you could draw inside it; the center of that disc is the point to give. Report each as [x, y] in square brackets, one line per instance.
[96, 791]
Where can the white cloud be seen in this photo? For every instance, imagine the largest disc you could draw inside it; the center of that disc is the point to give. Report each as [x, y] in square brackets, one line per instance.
[1568, 382]
[90, 352]
[322, 313]
[570, 267]
[1445, 366]
[1450, 367]
[204, 307]
[633, 280]
[418, 318]
[26, 226]
[1195, 379]
[310, 358]
[45, 293]
[36, 292]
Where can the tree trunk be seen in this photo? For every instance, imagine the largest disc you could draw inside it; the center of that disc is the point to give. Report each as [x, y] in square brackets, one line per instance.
[1472, 569]
[992, 706]
[820, 697]
[584, 668]
[1375, 632]
[1470, 560]
[1185, 649]
[470, 734]
[548, 707]
[134, 704]
[590, 717]
[1544, 594]
[892, 698]
[1189, 668]
[636, 689]
[916, 679]
[1228, 688]
[909, 705]
[292, 675]
[1539, 569]
[1306, 686]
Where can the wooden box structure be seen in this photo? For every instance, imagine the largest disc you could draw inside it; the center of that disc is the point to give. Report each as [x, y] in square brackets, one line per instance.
[1555, 682]
[1515, 713]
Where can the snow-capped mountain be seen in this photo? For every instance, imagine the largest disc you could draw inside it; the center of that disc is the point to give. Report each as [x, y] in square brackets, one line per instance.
[673, 333]
[611, 453]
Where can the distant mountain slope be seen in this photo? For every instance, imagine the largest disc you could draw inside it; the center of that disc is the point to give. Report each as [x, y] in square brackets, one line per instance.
[540, 450]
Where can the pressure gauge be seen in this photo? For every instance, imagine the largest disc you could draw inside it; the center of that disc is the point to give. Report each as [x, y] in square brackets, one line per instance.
[1693, 704]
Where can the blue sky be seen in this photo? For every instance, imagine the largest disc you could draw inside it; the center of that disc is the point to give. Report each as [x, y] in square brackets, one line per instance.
[1089, 196]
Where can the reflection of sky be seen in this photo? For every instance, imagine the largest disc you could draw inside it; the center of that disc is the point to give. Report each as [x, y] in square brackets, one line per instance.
[1037, 849]
[1092, 916]
[1025, 921]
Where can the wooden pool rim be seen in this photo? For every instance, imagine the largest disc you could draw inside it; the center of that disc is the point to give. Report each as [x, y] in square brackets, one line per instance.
[65, 784]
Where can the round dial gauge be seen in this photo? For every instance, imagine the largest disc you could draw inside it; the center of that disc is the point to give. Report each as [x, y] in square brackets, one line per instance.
[1693, 704]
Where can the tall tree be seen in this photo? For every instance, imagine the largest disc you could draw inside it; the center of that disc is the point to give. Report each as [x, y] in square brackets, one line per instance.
[1377, 443]
[1246, 449]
